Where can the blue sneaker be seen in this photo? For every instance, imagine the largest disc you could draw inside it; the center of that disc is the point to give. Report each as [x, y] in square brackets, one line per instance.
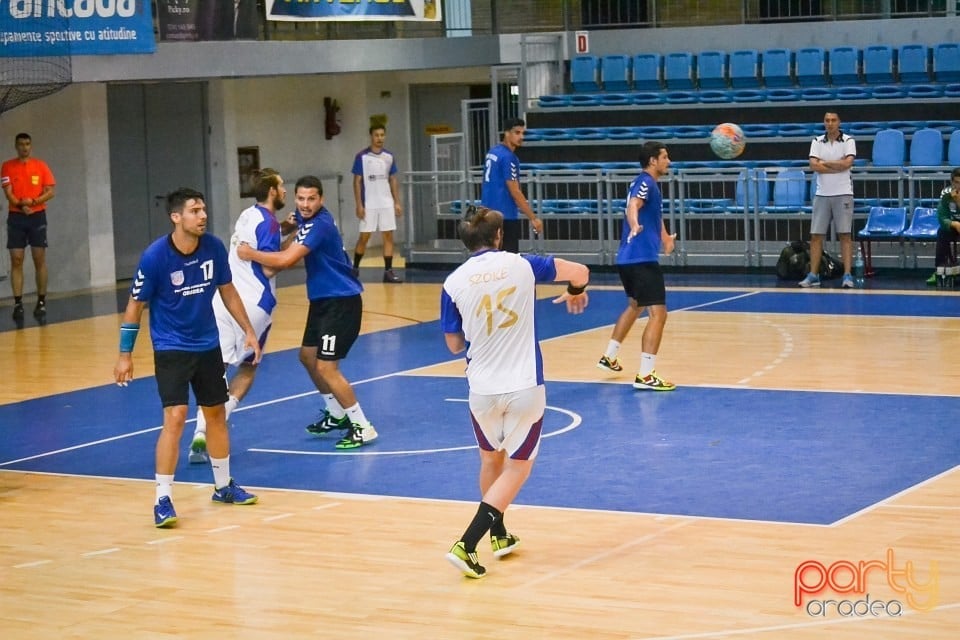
[847, 281]
[233, 494]
[163, 513]
[810, 281]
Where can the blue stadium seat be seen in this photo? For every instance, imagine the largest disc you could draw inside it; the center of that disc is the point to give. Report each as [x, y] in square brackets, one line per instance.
[811, 67]
[926, 148]
[745, 69]
[655, 133]
[681, 97]
[646, 97]
[678, 68]
[863, 128]
[584, 100]
[945, 127]
[623, 133]
[844, 65]
[908, 127]
[913, 63]
[712, 69]
[878, 64]
[706, 205]
[615, 73]
[584, 73]
[648, 72]
[752, 190]
[889, 148]
[616, 99]
[760, 130]
[796, 129]
[851, 92]
[688, 131]
[953, 149]
[713, 96]
[777, 68]
[748, 95]
[925, 91]
[951, 91]
[782, 95]
[554, 101]
[789, 192]
[588, 133]
[817, 94]
[889, 92]
[923, 225]
[946, 62]
[555, 134]
[532, 135]
[883, 223]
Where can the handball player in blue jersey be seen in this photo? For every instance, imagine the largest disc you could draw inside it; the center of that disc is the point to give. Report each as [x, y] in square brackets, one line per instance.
[500, 190]
[643, 238]
[336, 307]
[178, 276]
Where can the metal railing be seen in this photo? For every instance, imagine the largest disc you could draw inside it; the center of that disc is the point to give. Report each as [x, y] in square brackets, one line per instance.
[723, 217]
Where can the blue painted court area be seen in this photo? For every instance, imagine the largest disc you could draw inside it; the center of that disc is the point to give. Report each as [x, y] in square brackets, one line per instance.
[785, 456]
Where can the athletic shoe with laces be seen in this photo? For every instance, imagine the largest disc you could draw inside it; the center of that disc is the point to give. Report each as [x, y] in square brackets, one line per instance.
[328, 423]
[358, 436]
[504, 545]
[18, 313]
[198, 449]
[164, 514]
[653, 382]
[467, 563]
[810, 281]
[40, 311]
[847, 282]
[609, 365]
[233, 494]
[932, 280]
[390, 276]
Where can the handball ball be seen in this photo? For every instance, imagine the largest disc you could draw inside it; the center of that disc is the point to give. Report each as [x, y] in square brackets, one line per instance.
[727, 141]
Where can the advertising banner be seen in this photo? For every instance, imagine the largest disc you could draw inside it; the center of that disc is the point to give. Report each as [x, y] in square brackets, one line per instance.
[75, 27]
[356, 10]
[192, 20]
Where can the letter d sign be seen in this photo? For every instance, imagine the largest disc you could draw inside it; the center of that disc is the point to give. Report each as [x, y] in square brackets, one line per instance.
[583, 41]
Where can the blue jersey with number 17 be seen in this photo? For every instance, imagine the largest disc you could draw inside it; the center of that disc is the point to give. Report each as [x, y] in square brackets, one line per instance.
[179, 289]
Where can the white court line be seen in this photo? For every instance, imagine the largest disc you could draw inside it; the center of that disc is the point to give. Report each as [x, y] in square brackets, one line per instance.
[101, 552]
[279, 516]
[886, 501]
[165, 540]
[35, 563]
[600, 556]
[788, 627]
[575, 421]
[229, 527]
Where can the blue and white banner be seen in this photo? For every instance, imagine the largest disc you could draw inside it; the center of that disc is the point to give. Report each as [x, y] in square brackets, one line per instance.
[356, 10]
[75, 27]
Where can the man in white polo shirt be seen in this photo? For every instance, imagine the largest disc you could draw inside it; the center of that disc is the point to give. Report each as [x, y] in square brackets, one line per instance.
[831, 156]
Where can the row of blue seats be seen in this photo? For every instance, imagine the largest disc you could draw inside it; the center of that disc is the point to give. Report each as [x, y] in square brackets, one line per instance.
[749, 68]
[720, 96]
[771, 130]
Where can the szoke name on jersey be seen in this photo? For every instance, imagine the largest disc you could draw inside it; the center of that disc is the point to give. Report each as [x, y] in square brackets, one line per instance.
[488, 276]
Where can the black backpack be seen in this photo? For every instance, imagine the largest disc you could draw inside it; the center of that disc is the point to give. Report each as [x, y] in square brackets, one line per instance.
[794, 262]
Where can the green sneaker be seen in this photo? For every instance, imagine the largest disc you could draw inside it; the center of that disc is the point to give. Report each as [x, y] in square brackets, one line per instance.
[504, 545]
[465, 562]
[357, 437]
[328, 423]
[932, 280]
[198, 449]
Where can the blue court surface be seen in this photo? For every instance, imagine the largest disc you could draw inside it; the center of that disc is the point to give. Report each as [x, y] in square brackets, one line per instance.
[783, 456]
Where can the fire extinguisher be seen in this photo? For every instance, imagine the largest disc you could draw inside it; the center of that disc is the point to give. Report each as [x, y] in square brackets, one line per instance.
[332, 118]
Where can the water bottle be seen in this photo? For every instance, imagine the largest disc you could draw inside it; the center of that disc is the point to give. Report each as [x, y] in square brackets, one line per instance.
[858, 270]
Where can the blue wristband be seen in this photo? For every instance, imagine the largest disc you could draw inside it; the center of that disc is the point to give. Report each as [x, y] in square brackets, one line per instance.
[128, 336]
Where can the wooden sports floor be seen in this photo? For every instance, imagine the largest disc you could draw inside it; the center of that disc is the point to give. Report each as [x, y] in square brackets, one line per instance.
[811, 453]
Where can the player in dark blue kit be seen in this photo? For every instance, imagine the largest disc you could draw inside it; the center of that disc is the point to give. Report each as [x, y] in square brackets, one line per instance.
[333, 322]
[638, 261]
[178, 275]
[501, 185]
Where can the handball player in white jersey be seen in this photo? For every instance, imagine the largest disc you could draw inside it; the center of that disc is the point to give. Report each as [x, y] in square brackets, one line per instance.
[487, 307]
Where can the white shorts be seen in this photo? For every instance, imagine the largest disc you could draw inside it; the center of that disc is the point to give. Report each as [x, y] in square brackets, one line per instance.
[510, 422]
[232, 338]
[383, 219]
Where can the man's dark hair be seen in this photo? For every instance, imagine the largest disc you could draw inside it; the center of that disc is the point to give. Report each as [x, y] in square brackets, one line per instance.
[955, 173]
[176, 199]
[478, 229]
[263, 181]
[510, 123]
[310, 182]
[650, 151]
[22, 136]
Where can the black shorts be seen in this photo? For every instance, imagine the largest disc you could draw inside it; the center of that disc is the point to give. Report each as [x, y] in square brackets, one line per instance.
[333, 325]
[23, 230]
[643, 281]
[177, 371]
[511, 235]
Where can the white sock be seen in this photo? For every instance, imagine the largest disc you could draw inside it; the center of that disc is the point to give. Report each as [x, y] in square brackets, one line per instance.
[201, 423]
[221, 471]
[333, 407]
[647, 362]
[613, 348]
[164, 487]
[232, 403]
[356, 415]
